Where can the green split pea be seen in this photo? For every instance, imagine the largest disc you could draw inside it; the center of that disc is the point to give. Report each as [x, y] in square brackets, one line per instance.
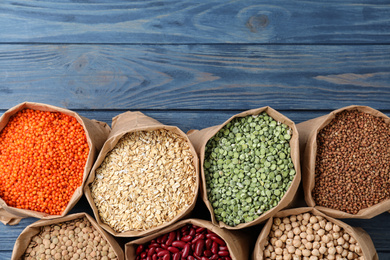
[248, 168]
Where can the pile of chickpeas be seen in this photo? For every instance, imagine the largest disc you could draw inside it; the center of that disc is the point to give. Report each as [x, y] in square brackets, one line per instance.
[307, 236]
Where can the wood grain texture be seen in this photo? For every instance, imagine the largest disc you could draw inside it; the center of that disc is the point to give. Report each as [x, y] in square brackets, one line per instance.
[186, 77]
[194, 64]
[173, 21]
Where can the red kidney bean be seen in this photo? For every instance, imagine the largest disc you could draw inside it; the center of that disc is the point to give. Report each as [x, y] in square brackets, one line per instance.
[162, 253]
[192, 232]
[199, 247]
[171, 238]
[164, 238]
[173, 249]
[151, 251]
[140, 248]
[215, 248]
[189, 242]
[186, 251]
[184, 228]
[154, 245]
[178, 235]
[198, 237]
[200, 229]
[216, 239]
[187, 238]
[180, 244]
[209, 243]
[176, 256]
[197, 257]
[223, 253]
[208, 253]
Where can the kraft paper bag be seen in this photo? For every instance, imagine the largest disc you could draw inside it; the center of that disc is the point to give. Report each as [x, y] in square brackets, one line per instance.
[8, 218]
[236, 241]
[361, 236]
[308, 131]
[24, 239]
[199, 138]
[133, 122]
[96, 133]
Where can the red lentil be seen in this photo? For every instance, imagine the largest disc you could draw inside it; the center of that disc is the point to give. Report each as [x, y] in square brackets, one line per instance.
[42, 160]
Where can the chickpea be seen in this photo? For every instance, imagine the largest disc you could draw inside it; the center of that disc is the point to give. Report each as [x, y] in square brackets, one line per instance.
[278, 243]
[278, 233]
[306, 252]
[277, 221]
[296, 243]
[328, 226]
[291, 249]
[313, 219]
[309, 245]
[336, 228]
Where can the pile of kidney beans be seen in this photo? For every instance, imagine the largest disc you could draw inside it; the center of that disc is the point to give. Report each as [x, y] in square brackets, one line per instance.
[188, 242]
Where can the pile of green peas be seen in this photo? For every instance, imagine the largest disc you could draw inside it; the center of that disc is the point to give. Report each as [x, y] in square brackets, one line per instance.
[248, 168]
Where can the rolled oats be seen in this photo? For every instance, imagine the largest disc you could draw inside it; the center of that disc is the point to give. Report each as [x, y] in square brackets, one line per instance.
[145, 181]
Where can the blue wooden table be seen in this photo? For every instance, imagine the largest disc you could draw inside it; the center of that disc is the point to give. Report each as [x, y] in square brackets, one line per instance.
[194, 64]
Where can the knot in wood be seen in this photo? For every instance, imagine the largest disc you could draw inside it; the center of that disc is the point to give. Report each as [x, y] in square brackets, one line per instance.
[257, 22]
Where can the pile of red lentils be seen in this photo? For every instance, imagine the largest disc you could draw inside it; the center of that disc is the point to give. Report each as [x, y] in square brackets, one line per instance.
[42, 160]
[352, 169]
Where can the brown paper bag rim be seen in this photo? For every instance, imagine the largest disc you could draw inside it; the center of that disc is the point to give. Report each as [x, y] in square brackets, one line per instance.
[23, 213]
[360, 235]
[31, 230]
[110, 143]
[238, 248]
[295, 156]
[308, 167]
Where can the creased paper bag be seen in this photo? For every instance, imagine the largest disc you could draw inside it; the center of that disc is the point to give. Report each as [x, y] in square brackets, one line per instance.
[133, 122]
[308, 131]
[96, 133]
[236, 241]
[200, 139]
[363, 239]
[24, 239]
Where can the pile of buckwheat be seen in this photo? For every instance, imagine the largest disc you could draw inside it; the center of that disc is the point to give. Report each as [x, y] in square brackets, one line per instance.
[70, 240]
[353, 162]
[145, 181]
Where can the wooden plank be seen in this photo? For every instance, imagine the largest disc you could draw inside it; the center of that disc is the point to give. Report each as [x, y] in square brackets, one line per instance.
[195, 77]
[187, 120]
[171, 21]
